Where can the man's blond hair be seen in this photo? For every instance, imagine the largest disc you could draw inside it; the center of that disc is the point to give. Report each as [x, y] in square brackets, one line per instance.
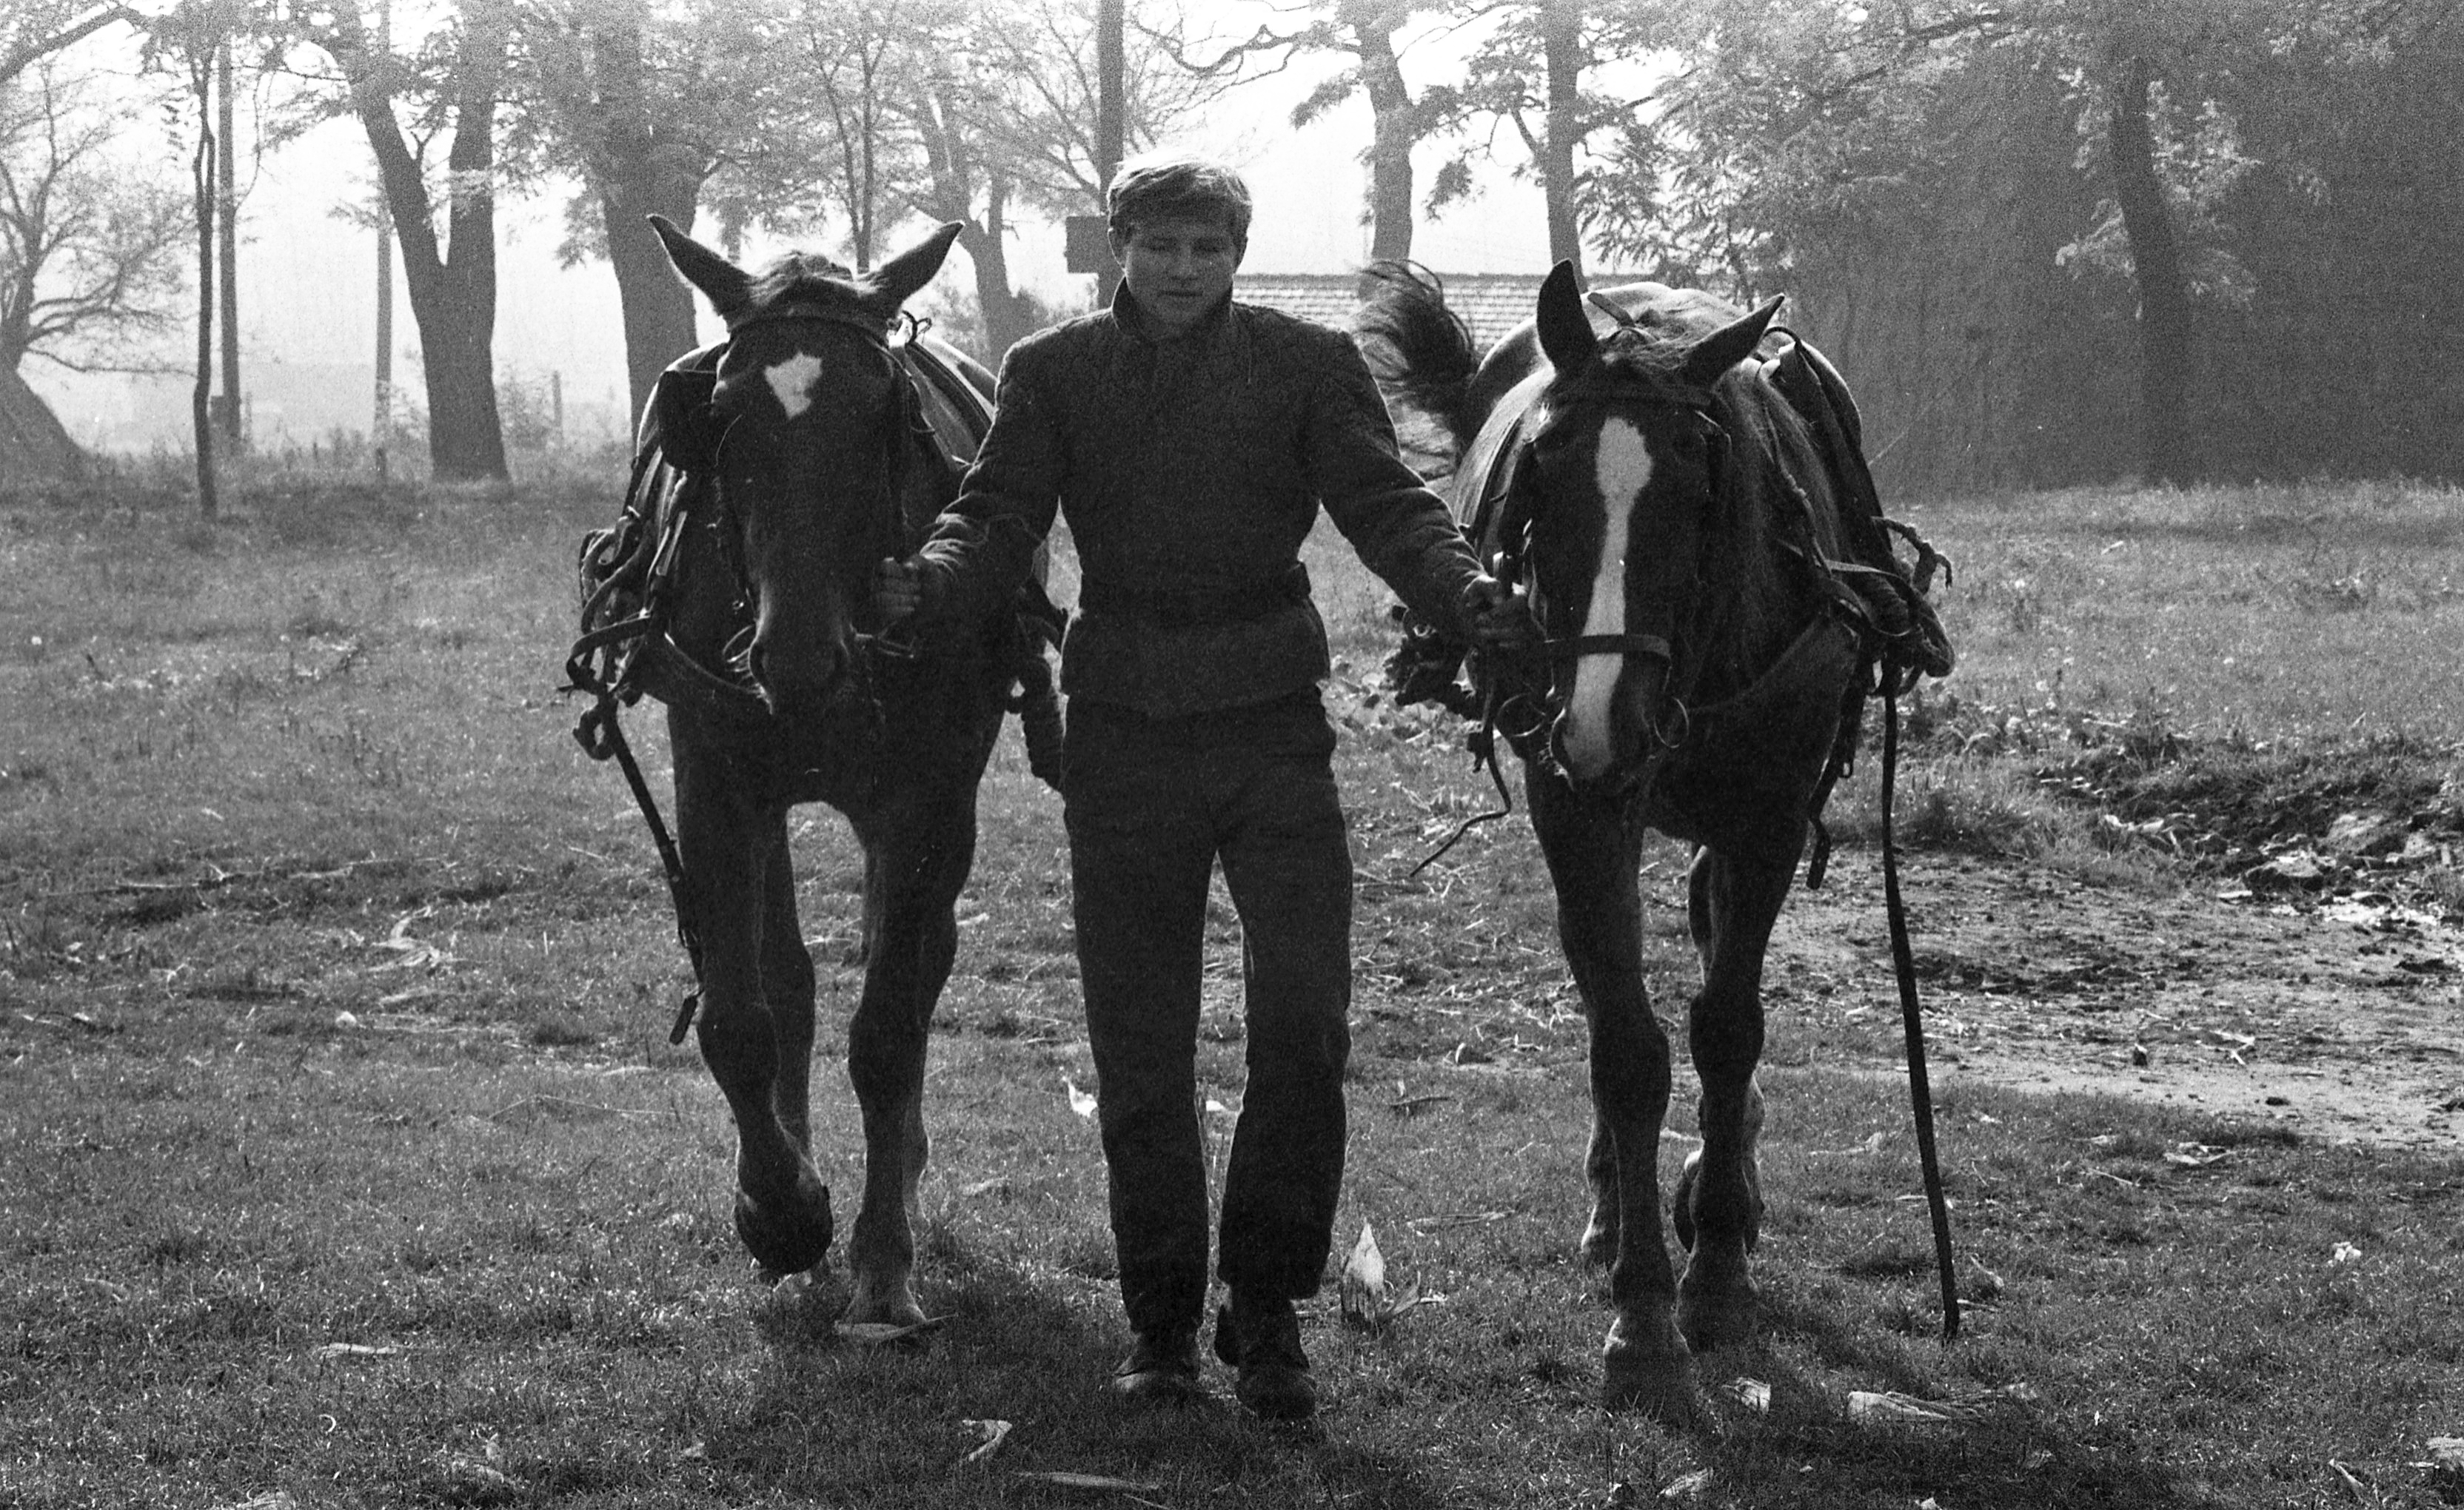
[1178, 186]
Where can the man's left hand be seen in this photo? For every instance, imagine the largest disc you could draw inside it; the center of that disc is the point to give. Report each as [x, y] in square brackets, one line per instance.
[1499, 617]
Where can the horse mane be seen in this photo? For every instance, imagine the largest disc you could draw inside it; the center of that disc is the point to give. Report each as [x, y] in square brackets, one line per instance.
[807, 278]
[1772, 465]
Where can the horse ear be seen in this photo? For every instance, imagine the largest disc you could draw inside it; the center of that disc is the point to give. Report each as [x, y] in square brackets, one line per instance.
[911, 269]
[727, 286]
[1565, 329]
[1731, 343]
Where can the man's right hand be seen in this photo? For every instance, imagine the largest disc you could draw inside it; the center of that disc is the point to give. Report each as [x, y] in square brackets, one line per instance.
[897, 589]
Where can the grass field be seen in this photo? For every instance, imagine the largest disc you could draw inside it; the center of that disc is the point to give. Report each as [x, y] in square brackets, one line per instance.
[348, 1163]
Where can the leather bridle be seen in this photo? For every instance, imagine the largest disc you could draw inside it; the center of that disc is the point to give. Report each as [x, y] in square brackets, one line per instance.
[1520, 501]
[905, 426]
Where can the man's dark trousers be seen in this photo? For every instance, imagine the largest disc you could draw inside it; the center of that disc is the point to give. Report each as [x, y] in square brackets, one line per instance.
[1152, 804]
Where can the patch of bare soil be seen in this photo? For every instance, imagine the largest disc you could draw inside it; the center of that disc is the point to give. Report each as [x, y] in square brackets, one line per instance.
[2339, 1017]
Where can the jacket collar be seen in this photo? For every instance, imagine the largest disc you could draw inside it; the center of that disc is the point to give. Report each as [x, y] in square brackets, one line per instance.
[1218, 338]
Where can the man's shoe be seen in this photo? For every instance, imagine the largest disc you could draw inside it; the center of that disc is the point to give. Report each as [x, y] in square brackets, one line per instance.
[1262, 1338]
[1161, 1368]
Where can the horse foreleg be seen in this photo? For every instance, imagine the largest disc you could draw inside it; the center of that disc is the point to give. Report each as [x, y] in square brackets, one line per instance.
[734, 853]
[1592, 856]
[1732, 905]
[912, 891]
[787, 987]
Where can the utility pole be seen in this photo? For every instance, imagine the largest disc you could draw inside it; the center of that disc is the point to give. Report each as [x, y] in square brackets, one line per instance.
[1108, 110]
[383, 423]
[229, 414]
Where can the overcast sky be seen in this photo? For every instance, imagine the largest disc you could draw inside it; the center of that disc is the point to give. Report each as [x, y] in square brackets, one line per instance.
[307, 278]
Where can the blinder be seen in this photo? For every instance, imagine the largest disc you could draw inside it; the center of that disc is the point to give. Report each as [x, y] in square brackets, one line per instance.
[689, 426]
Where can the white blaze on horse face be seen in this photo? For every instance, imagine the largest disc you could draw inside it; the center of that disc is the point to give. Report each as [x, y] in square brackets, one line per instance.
[792, 379]
[1623, 471]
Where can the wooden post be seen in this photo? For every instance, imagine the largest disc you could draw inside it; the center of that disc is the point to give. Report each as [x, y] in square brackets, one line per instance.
[230, 417]
[1110, 107]
[382, 423]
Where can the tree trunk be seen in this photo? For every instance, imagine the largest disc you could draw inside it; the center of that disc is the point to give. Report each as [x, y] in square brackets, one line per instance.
[35, 446]
[1562, 48]
[951, 195]
[452, 286]
[466, 435]
[1004, 319]
[636, 180]
[1390, 150]
[2164, 291]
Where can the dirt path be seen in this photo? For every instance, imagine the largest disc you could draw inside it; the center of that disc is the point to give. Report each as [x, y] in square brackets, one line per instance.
[2343, 1018]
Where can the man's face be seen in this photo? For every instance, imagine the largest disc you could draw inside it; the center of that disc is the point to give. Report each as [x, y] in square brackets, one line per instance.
[1178, 270]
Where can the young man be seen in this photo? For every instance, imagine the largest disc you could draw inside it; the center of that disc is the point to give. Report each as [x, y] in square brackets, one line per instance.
[1190, 442]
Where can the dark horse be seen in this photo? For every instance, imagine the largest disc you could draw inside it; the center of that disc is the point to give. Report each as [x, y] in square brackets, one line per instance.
[1677, 483]
[777, 470]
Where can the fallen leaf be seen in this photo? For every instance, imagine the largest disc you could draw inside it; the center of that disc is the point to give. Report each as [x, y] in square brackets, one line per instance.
[875, 1334]
[698, 1453]
[1364, 1280]
[1068, 1480]
[990, 1433]
[1751, 1393]
[1080, 1102]
[1693, 1486]
[2345, 1253]
[1875, 1406]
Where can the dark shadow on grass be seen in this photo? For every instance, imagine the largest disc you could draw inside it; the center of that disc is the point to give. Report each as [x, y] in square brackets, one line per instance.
[1805, 1451]
[849, 1425]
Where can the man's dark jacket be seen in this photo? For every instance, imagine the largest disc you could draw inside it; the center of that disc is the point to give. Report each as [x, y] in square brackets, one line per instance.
[1190, 470]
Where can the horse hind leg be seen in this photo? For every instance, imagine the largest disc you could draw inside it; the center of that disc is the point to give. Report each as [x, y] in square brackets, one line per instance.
[1719, 1198]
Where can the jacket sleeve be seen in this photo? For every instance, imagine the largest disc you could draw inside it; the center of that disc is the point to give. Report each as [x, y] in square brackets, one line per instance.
[984, 544]
[1401, 529]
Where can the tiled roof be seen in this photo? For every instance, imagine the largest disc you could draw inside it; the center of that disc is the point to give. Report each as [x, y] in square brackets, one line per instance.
[1490, 303]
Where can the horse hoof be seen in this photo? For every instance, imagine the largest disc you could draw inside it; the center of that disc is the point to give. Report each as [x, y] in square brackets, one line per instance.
[883, 1306]
[790, 1238]
[1712, 1316]
[1647, 1368]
